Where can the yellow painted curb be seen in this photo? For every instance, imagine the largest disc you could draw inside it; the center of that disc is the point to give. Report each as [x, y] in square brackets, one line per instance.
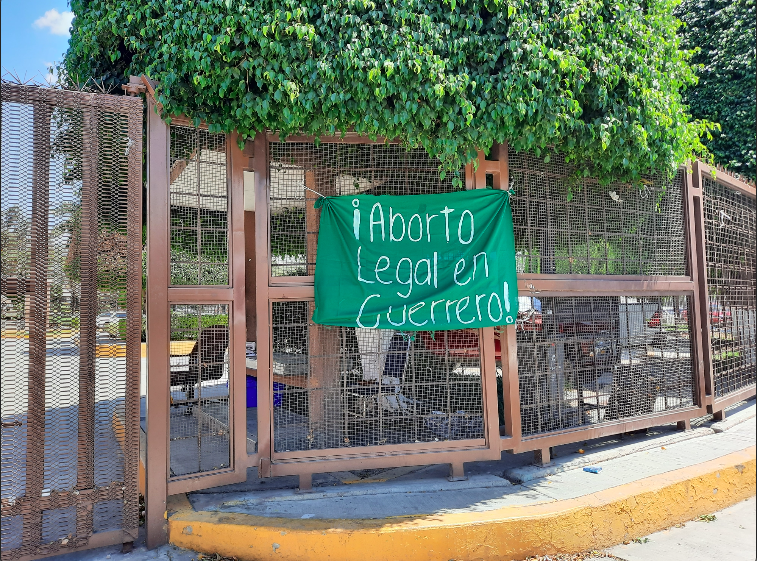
[593, 521]
[116, 350]
[49, 334]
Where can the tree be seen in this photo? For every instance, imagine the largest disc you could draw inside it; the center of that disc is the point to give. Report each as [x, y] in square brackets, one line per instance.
[723, 32]
[15, 246]
[598, 80]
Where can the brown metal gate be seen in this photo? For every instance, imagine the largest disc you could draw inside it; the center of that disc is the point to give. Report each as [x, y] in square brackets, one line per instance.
[347, 398]
[613, 331]
[728, 219]
[195, 408]
[71, 319]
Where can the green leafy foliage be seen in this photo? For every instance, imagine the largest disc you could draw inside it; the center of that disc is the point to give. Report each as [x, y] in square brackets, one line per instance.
[723, 33]
[187, 327]
[598, 80]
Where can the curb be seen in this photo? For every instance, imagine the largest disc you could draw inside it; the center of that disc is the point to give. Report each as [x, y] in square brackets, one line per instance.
[597, 520]
[735, 419]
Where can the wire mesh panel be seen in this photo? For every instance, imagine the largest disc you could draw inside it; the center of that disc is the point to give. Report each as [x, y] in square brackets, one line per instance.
[199, 412]
[729, 227]
[337, 387]
[71, 163]
[564, 226]
[198, 195]
[586, 360]
[335, 169]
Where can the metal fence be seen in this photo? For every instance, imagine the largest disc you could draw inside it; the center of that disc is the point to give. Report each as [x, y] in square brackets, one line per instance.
[586, 360]
[71, 316]
[334, 169]
[616, 284]
[568, 226]
[341, 387]
[604, 330]
[338, 388]
[607, 338]
[730, 228]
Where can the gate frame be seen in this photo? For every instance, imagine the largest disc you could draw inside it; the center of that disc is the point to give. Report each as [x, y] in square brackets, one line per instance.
[160, 296]
[713, 405]
[611, 285]
[269, 289]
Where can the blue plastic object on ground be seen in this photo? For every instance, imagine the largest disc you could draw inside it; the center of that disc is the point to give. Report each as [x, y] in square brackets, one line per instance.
[252, 392]
[593, 469]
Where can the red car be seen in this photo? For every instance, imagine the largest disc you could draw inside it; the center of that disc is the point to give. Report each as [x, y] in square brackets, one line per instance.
[718, 316]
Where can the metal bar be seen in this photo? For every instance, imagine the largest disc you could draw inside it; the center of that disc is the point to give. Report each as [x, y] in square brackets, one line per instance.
[65, 99]
[62, 499]
[134, 321]
[489, 387]
[606, 429]
[510, 385]
[157, 327]
[348, 138]
[479, 181]
[508, 344]
[725, 179]
[35, 420]
[486, 335]
[88, 314]
[297, 292]
[100, 539]
[238, 335]
[204, 480]
[381, 450]
[602, 278]
[199, 295]
[251, 312]
[410, 458]
[718, 404]
[696, 268]
[182, 121]
[469, 177]
[262, 275]
[561, 287]
[702, 297]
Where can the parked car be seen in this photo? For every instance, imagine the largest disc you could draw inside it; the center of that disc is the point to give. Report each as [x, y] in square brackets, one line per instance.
[718, 315]
[105, 319]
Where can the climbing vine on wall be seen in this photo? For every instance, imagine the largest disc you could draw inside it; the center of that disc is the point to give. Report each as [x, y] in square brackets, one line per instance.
[723, 32]
[598, 80]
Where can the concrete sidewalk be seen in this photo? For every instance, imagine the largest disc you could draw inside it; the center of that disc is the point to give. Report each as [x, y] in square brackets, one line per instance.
[506, 510]
[730, 534]
[511, 481]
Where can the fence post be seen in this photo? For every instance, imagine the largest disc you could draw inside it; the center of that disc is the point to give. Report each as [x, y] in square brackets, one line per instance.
[701, 292]
[87, 314]
[134, 320]
[158, 341]
[35, 420]
[692, 201]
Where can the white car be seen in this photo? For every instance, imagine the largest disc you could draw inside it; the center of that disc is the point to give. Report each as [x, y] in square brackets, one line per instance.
[104, 320]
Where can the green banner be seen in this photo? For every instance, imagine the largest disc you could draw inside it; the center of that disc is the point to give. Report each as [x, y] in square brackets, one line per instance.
[416, 262]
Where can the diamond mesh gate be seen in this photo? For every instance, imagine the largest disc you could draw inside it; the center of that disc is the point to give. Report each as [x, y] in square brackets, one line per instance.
[71, 319]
